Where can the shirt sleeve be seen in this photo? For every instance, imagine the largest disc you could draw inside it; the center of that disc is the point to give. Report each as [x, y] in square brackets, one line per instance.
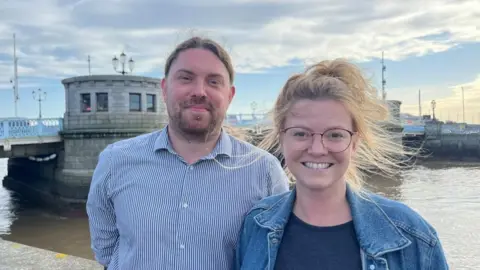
[279, 181]
[100, 211]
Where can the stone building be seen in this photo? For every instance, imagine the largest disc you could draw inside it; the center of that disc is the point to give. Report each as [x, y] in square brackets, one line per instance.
[100, 110]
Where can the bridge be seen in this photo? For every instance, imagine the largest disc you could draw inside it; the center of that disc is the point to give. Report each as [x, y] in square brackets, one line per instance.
[22, 137]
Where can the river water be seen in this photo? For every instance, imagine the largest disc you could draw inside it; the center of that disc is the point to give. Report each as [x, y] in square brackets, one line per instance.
[447, 195]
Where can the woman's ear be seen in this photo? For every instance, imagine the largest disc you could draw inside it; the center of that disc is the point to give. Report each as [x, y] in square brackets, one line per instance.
[355, 141]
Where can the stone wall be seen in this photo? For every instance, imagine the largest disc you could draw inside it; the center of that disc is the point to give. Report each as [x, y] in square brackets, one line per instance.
[74, 175]
[106, 123]
[454, 147]
[27, 150]
[32, 180]
[118, 116]
[455, 144]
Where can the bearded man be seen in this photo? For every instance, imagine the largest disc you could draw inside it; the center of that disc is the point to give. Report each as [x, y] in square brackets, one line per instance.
[176, 198]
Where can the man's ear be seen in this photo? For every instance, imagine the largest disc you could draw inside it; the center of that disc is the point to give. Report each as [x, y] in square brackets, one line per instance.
[232, 93]
[164, 89]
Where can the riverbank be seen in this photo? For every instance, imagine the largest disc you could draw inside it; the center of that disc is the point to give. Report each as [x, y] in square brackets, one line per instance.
[18, 256]
[437, 163]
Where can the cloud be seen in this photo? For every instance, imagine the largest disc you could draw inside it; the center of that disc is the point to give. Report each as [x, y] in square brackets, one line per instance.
[55, 37]
[448, 101]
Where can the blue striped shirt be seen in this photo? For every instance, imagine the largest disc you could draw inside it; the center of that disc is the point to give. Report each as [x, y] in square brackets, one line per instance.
[149, 209]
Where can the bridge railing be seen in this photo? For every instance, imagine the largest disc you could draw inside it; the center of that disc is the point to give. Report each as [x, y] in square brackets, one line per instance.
[24, 128]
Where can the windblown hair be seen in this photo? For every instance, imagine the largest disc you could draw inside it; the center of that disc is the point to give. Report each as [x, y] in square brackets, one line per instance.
[379, 151]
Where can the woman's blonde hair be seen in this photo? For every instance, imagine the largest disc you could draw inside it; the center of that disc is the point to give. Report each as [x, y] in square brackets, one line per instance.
[379, 150]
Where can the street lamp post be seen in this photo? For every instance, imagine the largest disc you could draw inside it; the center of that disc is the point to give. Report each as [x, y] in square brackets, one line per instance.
[434, 105]
[40, 96]
[253, 106]
[123, 57]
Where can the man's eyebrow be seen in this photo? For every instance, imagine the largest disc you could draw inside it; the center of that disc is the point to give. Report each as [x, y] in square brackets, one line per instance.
[185, 71]
[192, 73]
[216, 75]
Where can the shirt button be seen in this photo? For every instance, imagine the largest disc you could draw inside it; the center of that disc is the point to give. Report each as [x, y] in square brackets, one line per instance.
[182, 246]
[185, 205]
[372, 266]
[191, 167]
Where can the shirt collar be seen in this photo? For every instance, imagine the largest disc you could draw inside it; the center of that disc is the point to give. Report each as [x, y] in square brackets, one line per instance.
[223, 146]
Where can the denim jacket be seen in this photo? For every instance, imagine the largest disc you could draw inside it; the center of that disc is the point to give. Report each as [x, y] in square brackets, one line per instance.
[391, 235]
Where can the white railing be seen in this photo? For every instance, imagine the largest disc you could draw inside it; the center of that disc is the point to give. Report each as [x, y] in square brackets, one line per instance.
[24, 128]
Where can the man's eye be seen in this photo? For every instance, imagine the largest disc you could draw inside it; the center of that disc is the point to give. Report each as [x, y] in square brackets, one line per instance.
[215, 82]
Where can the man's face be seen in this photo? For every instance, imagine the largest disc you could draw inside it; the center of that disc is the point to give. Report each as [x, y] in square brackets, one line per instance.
[197, 92]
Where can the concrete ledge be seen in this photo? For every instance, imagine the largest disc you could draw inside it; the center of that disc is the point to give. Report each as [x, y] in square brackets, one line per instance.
[13, 148]
[21, 257]
[111, 78]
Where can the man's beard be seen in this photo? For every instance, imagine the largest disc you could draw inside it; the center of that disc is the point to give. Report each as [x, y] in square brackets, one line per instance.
[186, 124]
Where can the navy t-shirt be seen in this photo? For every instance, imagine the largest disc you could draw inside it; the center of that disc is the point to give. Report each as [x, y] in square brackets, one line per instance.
[305, 246]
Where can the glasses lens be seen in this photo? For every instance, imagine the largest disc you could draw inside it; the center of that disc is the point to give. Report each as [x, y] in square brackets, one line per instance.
[336, 140]
[299, 138]
[298, 134]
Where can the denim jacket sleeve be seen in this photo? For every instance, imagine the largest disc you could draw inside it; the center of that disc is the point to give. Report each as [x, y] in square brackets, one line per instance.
[246, 233]
[438, 261]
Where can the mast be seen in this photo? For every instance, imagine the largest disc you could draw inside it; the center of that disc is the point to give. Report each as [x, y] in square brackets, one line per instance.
[420, 103]
[463, 105]
[89, 70]
[15, 76]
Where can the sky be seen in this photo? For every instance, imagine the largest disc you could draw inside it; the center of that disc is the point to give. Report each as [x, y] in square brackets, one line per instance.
[433, 47]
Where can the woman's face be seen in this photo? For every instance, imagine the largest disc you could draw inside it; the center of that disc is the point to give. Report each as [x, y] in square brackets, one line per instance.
[318, 162]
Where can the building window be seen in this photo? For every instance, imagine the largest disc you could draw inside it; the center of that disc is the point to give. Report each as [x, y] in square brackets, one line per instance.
[85, 103]
[151, 103]
[102, 102]
[135, 102]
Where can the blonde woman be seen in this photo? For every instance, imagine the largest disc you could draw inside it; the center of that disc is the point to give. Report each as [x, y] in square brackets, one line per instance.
[329, 126]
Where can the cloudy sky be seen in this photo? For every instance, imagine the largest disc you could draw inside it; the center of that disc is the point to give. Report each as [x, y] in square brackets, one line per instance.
[432, 45]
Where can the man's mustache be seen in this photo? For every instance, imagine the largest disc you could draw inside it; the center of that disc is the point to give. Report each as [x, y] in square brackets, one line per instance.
[198, 102]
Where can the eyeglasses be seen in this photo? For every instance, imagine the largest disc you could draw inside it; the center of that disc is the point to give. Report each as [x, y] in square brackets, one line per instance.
[335, 140]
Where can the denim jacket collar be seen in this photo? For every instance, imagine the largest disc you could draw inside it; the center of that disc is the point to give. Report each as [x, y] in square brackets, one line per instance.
[376, 232]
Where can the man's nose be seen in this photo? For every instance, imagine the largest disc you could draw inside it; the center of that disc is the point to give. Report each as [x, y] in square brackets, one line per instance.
[317, 146]
[199, 89]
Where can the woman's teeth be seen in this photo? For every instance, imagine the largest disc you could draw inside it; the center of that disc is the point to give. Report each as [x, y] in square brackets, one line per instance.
[317, 166]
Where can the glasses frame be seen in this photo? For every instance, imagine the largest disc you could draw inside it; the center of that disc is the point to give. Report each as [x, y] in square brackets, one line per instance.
[312, 134]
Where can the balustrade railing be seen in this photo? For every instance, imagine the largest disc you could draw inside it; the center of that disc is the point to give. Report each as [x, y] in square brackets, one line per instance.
[23, 128]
